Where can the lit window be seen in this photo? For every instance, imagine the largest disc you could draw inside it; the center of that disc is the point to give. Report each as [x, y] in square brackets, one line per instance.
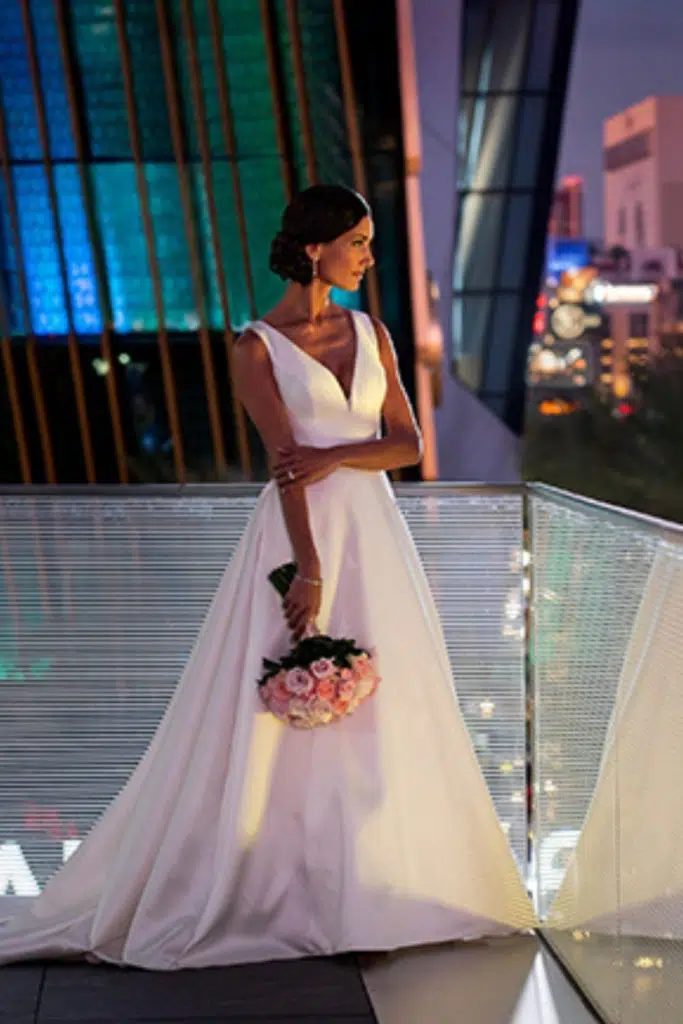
[639, 324]
[639, 225]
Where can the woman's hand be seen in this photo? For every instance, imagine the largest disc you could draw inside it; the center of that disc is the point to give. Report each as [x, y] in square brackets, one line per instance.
[303, 466]
[302, 604]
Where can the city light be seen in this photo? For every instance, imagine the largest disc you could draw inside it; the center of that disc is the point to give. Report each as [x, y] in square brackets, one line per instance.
[606, 294]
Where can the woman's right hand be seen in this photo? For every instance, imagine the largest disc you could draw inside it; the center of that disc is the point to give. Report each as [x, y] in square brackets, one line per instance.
[302, 605]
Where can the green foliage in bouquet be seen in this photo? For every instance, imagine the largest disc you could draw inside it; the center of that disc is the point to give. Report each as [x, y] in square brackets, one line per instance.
[311, 648]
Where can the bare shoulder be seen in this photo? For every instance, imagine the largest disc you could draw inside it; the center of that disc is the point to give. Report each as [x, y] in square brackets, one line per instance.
[251, 365]
[249, 341]
[385, 345]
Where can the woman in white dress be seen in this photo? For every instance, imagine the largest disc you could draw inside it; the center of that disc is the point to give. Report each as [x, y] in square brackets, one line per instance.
[238, 838]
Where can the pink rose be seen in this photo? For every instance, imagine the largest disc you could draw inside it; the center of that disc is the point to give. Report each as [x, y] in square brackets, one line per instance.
[297, 709]
[361, 665]
[347, 688]
[322, 712]
[326, 690]
[279, 709]
[323, 668]
[299, 682]
[366, 687]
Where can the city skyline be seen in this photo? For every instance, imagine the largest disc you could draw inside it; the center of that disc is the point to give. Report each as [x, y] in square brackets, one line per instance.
[625, 51]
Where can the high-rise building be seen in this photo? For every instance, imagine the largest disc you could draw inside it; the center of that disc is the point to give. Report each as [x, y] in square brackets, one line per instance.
[566, 215]
[643, 175]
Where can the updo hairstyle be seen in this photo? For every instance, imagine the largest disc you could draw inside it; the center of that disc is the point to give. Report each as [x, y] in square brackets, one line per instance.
[317, 215]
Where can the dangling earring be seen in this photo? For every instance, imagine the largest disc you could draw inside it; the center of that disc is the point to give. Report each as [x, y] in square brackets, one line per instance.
[314, 277]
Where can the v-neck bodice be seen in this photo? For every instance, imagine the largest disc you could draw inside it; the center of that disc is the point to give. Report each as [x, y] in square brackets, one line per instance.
[348, 395]
[319, 411]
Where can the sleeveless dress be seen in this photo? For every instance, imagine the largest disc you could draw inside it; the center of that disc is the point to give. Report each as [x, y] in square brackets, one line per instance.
[239, 839]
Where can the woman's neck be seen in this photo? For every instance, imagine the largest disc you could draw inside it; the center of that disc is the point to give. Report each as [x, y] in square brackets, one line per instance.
[307, 303]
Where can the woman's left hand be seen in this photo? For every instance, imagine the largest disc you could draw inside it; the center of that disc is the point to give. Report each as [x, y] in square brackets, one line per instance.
[303, 466]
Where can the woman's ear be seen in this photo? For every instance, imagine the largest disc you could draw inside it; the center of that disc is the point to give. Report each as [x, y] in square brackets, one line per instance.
[313, 252]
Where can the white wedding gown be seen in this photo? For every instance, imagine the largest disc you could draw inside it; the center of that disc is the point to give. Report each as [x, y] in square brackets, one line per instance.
[240, 839]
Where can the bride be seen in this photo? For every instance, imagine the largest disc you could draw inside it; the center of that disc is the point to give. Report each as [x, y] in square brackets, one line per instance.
[238, 838]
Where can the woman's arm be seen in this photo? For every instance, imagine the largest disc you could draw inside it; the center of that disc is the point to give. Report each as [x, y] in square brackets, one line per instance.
[401, 445]
[257, 389]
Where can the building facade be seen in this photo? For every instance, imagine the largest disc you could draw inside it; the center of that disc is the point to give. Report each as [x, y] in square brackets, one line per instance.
[643, 175]
[487, 183]
[566, 215]
[147, 151]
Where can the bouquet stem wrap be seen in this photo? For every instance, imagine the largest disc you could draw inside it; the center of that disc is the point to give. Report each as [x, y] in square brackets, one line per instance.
[321, 679]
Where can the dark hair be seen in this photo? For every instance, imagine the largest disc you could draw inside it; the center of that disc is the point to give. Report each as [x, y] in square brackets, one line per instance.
[316, 215]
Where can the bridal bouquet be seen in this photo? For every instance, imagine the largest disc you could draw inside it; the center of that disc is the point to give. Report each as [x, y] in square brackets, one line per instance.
[321, 680]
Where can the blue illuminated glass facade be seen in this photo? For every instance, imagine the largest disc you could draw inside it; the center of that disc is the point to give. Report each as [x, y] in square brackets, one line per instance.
[76, 206]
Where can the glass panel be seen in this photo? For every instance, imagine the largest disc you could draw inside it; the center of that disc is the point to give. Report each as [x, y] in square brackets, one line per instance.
[491, 142]
[247, 71]
[478, 240]
[40, 251]
[78, 255]
[125, 254]
[81, 694]
[465, 119]
[231, 249]
[515, 241]
[510, 34]
[542, 48]
[470, 320]
[148, 80]
[8, 268]
[528, 142]
[292, 105]
[474, 39]
[95, 40]
[501, 339]
[17, 96]
[52, 80]
[172, 250]
[264, 199]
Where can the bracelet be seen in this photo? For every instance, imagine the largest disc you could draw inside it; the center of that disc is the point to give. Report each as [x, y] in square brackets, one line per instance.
[307, 579]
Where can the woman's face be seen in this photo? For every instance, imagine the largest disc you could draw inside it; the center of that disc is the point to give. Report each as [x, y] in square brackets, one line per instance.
[344, 262]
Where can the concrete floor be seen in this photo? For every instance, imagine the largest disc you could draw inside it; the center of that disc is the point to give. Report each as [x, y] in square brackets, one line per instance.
[510, 981]
[503, 982]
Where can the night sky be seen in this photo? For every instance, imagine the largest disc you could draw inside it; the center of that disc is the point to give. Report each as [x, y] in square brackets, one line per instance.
[625, 50]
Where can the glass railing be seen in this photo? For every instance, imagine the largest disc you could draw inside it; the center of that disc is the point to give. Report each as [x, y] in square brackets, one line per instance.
[559, 613]
[102, 596]
[607, 672]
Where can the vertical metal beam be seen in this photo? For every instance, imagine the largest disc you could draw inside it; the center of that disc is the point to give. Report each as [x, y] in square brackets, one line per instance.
[30, 343]
[301, 90]
[205, 153]
[72, 343]
[417, 261]
[93, 235]
[230, 144]
[152, 257]
[177, 140]
[353, 133]
[276, 93]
